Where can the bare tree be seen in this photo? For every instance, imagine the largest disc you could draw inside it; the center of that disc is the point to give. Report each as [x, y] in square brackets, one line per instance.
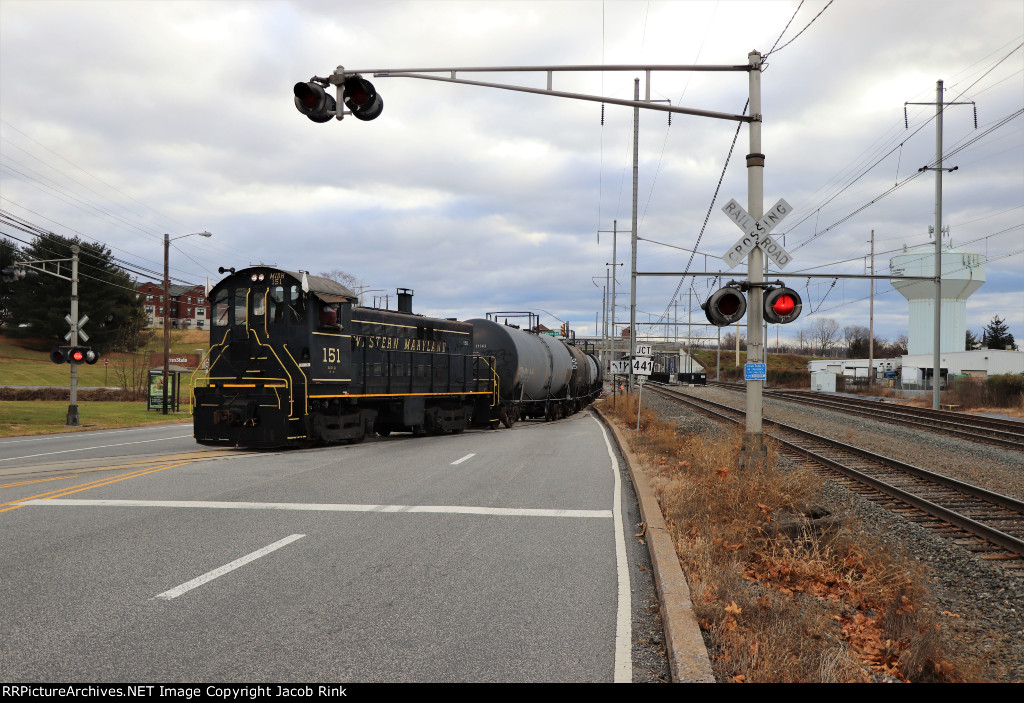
[350, 281]
[824, 333]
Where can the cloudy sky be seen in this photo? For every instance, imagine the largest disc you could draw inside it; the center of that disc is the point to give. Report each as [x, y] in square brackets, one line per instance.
[121, 121]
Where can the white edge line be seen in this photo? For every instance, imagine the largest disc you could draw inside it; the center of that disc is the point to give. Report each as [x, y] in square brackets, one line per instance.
[221, 570]
[623, 620]
[459, 461]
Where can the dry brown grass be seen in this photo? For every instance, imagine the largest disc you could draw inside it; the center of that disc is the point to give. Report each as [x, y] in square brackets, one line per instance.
[786, 591]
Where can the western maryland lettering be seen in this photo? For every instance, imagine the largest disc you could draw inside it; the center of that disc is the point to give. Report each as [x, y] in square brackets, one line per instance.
[388, 343]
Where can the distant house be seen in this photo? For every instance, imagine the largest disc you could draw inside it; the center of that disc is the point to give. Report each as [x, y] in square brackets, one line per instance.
[189, 308]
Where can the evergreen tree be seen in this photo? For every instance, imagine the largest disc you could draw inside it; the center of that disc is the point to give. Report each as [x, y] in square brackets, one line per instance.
[971, 341]
[997, 334]
[7, 258]
[40, 303]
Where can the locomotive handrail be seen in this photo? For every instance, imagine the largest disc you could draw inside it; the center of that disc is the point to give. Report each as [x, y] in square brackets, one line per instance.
[289, 382]
[192, 378]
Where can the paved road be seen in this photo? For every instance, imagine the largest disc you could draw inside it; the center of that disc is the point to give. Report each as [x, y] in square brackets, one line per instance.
[487, 556]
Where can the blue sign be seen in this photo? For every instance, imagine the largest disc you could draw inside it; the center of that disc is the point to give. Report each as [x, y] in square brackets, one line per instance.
[755, 372]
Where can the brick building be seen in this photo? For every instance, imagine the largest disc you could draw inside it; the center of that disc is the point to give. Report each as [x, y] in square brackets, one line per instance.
[189, 308]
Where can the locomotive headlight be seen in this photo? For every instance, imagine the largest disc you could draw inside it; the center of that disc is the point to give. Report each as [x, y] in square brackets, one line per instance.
[253, 278]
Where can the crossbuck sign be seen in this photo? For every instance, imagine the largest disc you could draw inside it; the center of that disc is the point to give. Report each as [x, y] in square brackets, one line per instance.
[756, 233]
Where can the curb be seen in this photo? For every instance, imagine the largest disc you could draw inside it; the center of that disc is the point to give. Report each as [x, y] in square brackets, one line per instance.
[687, 655]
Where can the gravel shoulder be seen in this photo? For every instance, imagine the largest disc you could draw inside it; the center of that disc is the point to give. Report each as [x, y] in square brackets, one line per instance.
[983, 604]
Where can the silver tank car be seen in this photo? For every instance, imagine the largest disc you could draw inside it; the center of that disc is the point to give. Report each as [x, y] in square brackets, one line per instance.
[537, 372]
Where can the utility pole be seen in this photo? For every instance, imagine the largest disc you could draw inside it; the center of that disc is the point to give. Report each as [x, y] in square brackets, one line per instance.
[871, 319]
[632, 273]
[752, 448]
[937, 332]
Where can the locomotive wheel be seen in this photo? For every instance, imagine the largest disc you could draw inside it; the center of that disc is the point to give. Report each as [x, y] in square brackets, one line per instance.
[384, 431]
[508, 416]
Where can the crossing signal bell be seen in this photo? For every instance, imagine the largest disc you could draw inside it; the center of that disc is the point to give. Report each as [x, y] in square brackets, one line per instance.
[781, 305]
[725, 306]
[74, 355]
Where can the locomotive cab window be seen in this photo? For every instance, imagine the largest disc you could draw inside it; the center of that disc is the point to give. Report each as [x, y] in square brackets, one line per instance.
[259, 303]
[275, 305]
[241, 303]
[221, 307]
[296, 305]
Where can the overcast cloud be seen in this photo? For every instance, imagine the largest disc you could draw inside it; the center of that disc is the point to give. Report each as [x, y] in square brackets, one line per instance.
[125, 120]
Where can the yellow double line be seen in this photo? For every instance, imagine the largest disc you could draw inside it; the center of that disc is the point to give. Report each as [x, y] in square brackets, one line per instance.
[61, 492]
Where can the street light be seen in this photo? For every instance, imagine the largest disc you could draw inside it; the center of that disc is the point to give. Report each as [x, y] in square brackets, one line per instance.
[167, 306]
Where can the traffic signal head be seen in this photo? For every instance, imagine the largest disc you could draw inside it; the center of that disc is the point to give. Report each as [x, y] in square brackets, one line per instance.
[781, 305]
[362, 98]
[313, 101]
[60, 355]
[725, 306]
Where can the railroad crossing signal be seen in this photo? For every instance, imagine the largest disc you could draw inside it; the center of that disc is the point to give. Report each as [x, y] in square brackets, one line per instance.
[725, 306]
[781, 305]
[74, 355]
[360, 97]
[11, 274]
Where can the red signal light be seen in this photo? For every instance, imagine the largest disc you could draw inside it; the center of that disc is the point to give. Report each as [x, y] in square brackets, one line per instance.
[77, 356]
[782, 305]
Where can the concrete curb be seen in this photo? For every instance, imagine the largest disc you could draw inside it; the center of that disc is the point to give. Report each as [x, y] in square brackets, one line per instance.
[687, 655]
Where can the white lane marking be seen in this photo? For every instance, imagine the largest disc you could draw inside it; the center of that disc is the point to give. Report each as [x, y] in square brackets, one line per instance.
[92, 433]
[459, 461]
[324, 507]
[104, 446]
[623, 622]
[221, 570]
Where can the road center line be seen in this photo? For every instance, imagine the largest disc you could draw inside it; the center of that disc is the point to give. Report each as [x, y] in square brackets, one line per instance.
[322, 507]
[221, 570]
[459, 461]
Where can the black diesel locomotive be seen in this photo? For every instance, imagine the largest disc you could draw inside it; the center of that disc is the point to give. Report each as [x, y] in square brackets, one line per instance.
[294, 360]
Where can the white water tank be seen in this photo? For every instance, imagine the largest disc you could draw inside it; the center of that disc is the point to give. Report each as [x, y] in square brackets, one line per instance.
[963, 273]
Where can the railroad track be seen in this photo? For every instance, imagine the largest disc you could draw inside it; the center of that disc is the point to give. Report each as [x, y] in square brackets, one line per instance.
[986, 523]
[1008, 434]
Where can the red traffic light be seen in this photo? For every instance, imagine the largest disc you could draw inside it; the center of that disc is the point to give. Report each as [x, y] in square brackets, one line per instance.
[362, 98]
[313, 101]
[725, 306]
[782, 305]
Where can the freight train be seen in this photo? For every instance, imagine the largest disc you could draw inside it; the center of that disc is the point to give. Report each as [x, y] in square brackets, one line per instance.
[295, 360]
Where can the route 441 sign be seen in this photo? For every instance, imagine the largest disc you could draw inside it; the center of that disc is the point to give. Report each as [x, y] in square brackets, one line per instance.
[642, 366]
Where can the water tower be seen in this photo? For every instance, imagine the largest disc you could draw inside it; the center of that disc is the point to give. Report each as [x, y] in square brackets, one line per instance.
[962, 273]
